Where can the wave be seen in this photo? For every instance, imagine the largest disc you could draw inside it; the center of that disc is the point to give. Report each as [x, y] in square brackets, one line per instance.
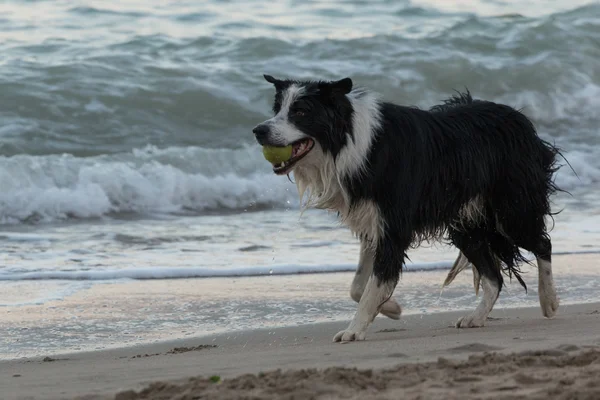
[81, 122]
[585, 166]
[203, 272]
[89, 98]
[200, 272]
[172, 180]
[47, 188]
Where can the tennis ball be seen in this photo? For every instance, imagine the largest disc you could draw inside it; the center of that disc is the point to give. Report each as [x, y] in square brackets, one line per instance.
[277, 155]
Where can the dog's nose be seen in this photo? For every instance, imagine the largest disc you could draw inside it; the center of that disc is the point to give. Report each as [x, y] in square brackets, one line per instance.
[261, 132]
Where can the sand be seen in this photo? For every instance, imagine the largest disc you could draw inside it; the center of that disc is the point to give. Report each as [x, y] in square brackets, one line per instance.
[518, 353]
[552, 374]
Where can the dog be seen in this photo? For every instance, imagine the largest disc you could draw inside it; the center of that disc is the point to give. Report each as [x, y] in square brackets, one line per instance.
[474, 174]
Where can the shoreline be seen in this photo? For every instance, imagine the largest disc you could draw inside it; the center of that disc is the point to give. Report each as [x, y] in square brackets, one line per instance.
[161, 273]
[125, 314]
[413, 339]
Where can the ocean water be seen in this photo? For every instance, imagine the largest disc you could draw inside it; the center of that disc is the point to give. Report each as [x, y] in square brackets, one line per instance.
[126, 152]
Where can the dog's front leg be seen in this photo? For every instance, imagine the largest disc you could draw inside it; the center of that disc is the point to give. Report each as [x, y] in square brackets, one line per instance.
[387, 266]
[390, 308]
[375, 295]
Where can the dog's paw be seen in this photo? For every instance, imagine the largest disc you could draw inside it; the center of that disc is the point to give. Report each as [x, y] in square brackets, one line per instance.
[470, 321]
[391, 309]
[349, 335]
[549, 303]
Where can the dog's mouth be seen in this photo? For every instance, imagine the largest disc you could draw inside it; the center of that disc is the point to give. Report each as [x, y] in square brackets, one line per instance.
[299, 149]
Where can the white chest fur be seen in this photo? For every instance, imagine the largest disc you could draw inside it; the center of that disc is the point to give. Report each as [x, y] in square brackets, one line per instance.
[321, 188]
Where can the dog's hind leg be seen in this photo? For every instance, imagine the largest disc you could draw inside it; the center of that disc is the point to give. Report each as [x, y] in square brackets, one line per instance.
[541, 246]
[546, 290]
[475, 247]
[528, 231]
[390, 308]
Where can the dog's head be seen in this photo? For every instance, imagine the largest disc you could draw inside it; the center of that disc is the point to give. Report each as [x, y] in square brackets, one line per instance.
[313, 117]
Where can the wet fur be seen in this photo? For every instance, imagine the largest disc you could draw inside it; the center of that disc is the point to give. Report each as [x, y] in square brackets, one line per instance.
[470, 172]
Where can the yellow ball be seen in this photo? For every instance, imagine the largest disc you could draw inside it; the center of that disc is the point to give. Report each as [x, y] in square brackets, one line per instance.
[277, 155]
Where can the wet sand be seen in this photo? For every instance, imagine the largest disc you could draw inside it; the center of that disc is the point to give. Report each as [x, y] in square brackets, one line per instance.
[561, 359]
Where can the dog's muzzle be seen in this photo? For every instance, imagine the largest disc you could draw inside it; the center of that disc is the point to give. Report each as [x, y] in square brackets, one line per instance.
[261, 133]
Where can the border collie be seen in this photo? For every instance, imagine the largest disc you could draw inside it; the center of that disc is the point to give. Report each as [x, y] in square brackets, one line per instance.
[473, 173]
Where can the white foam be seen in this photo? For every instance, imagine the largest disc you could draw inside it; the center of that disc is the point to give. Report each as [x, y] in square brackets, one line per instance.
[148, 180]
[585, 164]
[570, 98]
[21, 293]
[197, 272]
[146, 273]
[151, 180]
[96, 106]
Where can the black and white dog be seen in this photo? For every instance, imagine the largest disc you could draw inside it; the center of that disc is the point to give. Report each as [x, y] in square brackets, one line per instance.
[472, 172]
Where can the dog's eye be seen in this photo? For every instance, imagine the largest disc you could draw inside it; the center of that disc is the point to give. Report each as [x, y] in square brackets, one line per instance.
[299, 113]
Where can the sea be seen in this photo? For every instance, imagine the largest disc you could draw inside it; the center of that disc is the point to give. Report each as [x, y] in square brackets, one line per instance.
[135, 205]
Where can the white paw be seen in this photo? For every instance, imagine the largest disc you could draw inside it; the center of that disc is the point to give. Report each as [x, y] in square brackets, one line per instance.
[470, 321]
[391, 309]
[349, 336]
[549, 303]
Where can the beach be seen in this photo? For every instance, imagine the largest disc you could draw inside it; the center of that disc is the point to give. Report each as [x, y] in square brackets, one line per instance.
[139, 216]
[161, 370]
[556, 357]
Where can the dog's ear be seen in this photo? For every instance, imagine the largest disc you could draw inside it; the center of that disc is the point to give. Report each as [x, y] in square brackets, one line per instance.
[279, 84]
[343, 86]
[272, 80]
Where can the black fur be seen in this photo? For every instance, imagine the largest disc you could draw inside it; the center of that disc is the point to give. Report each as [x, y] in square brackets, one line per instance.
[424, 166]
[504, 248]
